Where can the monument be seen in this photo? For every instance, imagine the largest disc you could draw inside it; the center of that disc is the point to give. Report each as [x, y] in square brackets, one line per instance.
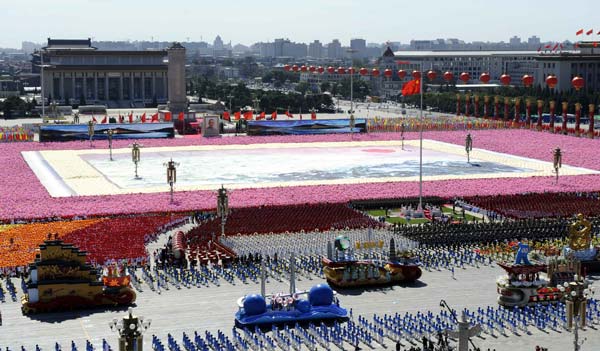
[176, 77]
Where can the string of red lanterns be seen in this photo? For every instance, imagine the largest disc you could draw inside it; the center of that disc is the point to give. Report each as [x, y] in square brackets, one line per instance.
[505, 79]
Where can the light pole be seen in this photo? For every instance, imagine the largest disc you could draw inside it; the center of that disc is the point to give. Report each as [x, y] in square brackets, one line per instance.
[576, 295]
[557, 161]
[131, 331]
[468, 147]
[222, 207]
[135, 156]
[255, 101]
[91, 125]
[171, 174]
[402, 128]
[109, 134]
[230, 97]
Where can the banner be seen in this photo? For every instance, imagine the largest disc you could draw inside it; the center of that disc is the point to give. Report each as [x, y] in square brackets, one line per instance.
[69, 132]
[305, 127]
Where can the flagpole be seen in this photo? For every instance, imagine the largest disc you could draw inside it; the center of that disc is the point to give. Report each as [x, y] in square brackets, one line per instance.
[421, 143]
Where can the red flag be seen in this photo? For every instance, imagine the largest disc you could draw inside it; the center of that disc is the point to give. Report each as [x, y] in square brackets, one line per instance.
[548, 46]
[411, 87]
[262, 115]
[539, 49]
[144, 117]
[300, 116]
[226, 116]
[589, 32]
[274, 115]
[131, 117]
[555, 47]
[168, 116]
[94, 119]
[287, 113]
[237, 115]
[579, 32]
[155, 117]
[595, 44]
[248, 115]
[181, 116]
[313, 115]
[103, 120]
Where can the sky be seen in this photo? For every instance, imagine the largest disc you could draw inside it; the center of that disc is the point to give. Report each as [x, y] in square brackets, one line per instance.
[247, 22]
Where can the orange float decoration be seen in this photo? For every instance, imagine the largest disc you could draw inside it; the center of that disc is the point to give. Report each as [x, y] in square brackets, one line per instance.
[505, 79]
[485, 77]
[448, 76]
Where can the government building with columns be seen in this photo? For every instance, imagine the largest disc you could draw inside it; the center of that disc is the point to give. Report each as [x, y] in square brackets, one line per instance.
[75, 72]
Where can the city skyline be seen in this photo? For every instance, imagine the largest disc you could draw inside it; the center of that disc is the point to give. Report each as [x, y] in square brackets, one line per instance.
[110, 20]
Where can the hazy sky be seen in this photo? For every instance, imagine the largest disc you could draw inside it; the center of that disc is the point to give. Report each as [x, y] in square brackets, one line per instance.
[246, 22]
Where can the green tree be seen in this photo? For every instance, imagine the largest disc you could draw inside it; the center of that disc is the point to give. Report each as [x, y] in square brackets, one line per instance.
[325, 86]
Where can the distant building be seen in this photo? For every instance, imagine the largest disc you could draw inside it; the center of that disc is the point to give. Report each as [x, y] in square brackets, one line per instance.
[9, 87]
[315, 49]
[515, 41]
[334, 50]
[359, 48]
[76, 71]
[568, 64]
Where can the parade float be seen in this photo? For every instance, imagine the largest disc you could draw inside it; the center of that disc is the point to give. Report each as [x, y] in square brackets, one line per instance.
[60, 280]
[528, 284]
[343, 270]
[318, 304]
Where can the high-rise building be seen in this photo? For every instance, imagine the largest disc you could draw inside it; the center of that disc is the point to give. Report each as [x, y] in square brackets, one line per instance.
[359, 48]
[534, 40]
[218, 43]
[334, 49]
[315, 49]
[514, 41]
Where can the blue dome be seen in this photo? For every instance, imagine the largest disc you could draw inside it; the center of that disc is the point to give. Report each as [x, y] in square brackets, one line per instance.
[303, 306]
[254, 304]
[320, 295]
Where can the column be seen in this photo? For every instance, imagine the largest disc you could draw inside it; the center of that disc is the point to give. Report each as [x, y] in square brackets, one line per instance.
[106, 92]
[154, 85]
[131, 84]
[62, 85]
[84, 87]
[121, 86]
[95, 87]
[143, 86]
[165, 87]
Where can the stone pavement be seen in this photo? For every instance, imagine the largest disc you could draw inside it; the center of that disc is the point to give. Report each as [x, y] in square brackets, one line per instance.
[198, 309]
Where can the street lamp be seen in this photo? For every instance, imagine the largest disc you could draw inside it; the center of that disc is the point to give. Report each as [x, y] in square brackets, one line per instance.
[576, 295]
[135, 156]
[42, 66]
[402, 128]
[91, 125]
[222, 207]
[256, 101]
[109, 134]
[171, 174]
[557, 161]
[468, 147]
[230, 97]
[130, 329]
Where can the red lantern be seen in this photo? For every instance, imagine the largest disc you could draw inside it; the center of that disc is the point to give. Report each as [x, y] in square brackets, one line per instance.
[341, 70]
[448, 76]
[465, 77]
[312, 69]
[320, 70]
[375, 72]
[505, 79]
[303, 68]
[387, 73]
[287, 68]
[351, 70]
[551, 80]
[484, 78]
[527, 80]
[416, 74]
[295, 68]
[363, 71]
[577, 83]
[330, 70]
[401, 74]
[431, 75]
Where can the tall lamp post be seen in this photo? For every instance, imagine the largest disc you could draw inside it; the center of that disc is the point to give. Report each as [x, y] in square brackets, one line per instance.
[131, 330]
[469, 147]
[109, 134]
[91, 125]
[222, 207]
[557, 161]
[230, 97]
[135, 156]
[171, 175]
[351, 71]
[576, 295]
